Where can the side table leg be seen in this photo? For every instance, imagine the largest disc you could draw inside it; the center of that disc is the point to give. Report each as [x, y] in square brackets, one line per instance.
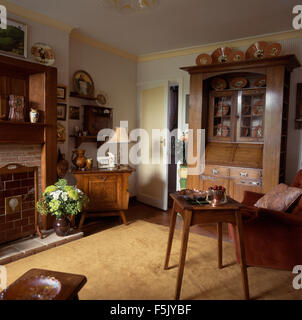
[242, 258]
[171, 234]
[122, 214]
[183, 251]
[219, 236]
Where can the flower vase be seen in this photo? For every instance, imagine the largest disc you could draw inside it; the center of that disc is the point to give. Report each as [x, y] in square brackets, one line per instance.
[183, 173]
[61, 226]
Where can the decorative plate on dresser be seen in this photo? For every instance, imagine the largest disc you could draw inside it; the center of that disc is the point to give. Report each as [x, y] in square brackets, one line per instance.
[238, 83]
[237, 56]
[260, 82]
[273, 50]
[218, 84]
[256, 50]
[203, 59]
[222, 55]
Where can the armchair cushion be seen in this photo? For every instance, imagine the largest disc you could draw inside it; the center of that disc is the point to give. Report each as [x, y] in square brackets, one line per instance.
[280, 198]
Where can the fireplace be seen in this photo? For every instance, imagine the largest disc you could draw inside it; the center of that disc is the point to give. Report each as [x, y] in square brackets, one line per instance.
[30, 144]
[18, 190]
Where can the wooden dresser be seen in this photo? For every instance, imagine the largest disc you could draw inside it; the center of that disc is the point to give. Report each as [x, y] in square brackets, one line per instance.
[243, 107]
[107, 190]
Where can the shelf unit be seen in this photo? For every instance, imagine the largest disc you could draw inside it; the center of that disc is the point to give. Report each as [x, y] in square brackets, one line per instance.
[258, 162]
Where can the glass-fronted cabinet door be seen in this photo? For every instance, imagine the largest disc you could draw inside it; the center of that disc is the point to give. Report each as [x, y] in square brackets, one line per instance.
[223, 106]
[251, 110]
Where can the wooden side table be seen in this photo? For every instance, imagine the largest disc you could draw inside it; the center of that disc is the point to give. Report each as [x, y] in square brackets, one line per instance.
[107, 190]
[198, 214]
[71, 284]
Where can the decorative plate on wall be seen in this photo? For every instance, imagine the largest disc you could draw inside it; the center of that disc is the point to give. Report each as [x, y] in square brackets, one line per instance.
[260, 82]
[43, 53]
[83, 84]
[218, 84]
[238, 83]
[102, 99]
[256, 50]
[222, 55]
[237, 56]
[273, 50]
[203, 59]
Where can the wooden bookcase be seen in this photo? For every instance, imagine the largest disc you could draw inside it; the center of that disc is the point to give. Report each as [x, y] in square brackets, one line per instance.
[38, 84]
[246, 141]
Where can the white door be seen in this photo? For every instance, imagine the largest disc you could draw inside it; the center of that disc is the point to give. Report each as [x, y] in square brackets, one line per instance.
[153, 177]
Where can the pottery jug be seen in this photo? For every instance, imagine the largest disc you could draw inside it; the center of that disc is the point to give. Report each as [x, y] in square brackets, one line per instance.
[78, 158]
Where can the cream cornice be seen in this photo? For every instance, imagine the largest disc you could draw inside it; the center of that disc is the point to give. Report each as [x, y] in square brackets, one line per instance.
[76, 35]
[211, 47]
[35, 16]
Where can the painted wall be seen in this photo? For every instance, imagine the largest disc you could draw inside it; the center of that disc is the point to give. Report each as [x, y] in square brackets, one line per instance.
[112, 74]
[168, 69]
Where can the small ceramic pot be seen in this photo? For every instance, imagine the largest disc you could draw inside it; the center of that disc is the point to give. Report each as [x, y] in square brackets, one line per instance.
[62, 226]
[34, 115]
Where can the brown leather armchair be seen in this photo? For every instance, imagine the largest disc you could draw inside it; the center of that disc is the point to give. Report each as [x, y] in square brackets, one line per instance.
[272, 239]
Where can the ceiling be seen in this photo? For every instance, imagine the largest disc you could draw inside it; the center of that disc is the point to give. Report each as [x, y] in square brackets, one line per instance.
[175, 24]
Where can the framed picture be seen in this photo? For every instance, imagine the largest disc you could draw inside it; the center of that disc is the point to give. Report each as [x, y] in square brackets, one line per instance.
[83, 84]
[74, 113]
[13, 39]
[61, 111]
[62, 93]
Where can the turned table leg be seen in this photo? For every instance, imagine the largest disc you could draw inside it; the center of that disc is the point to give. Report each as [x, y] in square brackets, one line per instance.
[171, 234]
[219, 236]
[123, 217]
[187, 215]
[242, 259]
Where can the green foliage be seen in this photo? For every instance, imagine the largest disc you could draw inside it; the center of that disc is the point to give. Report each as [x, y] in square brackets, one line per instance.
[60, 199]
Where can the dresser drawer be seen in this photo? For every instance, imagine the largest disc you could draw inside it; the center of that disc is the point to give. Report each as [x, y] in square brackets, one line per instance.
[246, 173]
[216, 171]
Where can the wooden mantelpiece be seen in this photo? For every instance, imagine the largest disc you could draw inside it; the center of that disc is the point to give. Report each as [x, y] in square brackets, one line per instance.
[38, 84]
[21, 133]
[277, 71]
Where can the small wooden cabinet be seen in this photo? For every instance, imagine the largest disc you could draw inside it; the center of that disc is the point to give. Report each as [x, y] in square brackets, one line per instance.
[107, 190]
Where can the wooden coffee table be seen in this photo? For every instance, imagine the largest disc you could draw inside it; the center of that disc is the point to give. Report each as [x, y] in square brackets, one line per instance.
[197, 214]
[71, 284]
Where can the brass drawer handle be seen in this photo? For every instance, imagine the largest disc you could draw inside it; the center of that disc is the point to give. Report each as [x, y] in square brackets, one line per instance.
[215, 171]
[244, 174]
[255, 183]
[105, 178]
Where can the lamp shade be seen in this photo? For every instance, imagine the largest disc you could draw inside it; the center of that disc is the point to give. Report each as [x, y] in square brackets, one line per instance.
[120, 136]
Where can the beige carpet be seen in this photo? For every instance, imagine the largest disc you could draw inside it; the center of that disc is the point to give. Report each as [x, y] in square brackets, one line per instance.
[126, 262]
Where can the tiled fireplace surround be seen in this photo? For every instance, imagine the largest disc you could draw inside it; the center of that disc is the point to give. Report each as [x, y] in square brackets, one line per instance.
[16, 225]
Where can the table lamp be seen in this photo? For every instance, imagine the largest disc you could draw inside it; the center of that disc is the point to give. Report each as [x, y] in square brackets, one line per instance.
[120, 137]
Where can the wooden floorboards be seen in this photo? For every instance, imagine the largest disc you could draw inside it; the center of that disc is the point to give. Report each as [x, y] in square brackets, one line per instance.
[140, 211]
